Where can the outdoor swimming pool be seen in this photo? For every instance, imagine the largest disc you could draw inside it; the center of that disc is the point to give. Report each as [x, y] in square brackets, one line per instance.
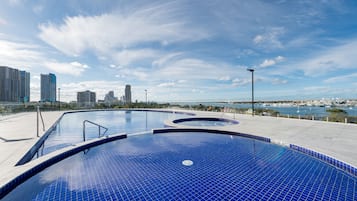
[188, 166]
[69, 130]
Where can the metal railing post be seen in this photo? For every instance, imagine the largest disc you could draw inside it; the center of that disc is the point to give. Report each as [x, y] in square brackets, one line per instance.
[43, 123]
[38, 111]
[84, 130]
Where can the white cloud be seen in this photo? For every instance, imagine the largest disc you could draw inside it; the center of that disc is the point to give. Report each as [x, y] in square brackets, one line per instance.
[127, 57]
[181, 81]
[245, 53]
[20, 54]
[277, 81]
[29, 57]
[267, 62]
[332, 59]
[224, 78]
[270, 39]
[342, 79]
[166, 58]
[167, 84]
[192, 68]
[258, 39]
[79, 65]
[178, 83]
[315, 89]
[111, 31]
[279, 58]
[74, 68]
[271, 62]
[240, 82]
[138, 73]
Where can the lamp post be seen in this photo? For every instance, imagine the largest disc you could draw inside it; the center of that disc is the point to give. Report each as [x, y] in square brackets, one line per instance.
[146, 95]
[252, 71]
[59, 98]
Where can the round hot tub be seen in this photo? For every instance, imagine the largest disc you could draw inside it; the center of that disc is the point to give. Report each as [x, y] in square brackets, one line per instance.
[204, 121]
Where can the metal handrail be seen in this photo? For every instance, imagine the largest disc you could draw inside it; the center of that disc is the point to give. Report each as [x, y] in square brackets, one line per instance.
[99, 126]
[43, 123]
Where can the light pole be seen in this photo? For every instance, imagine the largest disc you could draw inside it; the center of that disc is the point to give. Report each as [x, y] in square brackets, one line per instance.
[252, 71]
[146, 95]
[59, 98]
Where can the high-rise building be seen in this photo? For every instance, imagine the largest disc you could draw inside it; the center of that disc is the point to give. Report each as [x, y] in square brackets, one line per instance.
[48, 87]
[127, 94]
[14, 85]
[110, 98]
[86, 99]
[24, 86]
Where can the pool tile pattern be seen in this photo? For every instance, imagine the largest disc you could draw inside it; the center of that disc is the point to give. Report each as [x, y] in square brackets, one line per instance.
[225, 167]
[339, 164]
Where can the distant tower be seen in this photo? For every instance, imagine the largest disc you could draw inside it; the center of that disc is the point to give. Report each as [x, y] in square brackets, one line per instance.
[127, 93]
[9, 84]
[24, 86]
[48, 87]
[86, 98]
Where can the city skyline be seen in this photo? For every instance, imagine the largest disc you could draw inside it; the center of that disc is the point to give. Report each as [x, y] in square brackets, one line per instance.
[183, 50]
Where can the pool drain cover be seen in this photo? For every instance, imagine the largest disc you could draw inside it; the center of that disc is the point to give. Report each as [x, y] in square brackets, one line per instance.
[187, 162]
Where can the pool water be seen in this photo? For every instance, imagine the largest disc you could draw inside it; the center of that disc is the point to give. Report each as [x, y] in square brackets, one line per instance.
[188, 166]
[69, 130]
[204, 121]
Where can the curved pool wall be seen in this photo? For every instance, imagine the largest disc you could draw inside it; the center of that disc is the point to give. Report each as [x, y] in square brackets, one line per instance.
[205, 121]
[221, 167]
[173, 130]
[54, 159]
[68, 129]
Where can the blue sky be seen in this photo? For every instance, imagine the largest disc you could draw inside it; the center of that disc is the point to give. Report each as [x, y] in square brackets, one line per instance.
[185, 50]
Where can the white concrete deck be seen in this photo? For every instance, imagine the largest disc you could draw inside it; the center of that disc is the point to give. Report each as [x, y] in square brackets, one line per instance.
[337, 140]
[18, 133]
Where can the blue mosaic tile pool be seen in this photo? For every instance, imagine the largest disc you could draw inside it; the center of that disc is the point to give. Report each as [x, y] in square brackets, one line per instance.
[155, 167]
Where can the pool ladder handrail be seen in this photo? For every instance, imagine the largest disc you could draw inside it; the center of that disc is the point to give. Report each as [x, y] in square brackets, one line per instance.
[91, 122]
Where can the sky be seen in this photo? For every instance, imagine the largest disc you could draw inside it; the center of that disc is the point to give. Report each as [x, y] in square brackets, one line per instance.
[185, 50]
